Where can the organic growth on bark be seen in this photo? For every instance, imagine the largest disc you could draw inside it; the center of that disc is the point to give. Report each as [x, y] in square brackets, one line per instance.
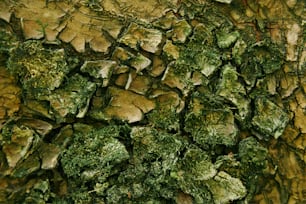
[192, 101]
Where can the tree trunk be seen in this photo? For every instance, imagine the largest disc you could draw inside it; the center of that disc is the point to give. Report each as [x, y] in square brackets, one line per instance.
[160, 101]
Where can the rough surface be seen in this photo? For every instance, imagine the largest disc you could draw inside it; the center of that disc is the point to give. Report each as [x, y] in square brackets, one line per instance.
[269, 119]
[40, 70]
[161, 101]
[9, 96]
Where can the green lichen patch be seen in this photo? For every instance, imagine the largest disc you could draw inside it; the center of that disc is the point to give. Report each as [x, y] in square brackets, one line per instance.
[166, 115]
[258, 59]
[7, 41]
[230, 164]
[192, 81]
[268, 55]
[19, 144]
[225, 38]
[73, 98]
[40, 70]
[196, 165]
[39, 192]
[100, 69]
[269, 119]
[94, 154]
[225, 188]
[149, 144]
[252, 154]
[97, 158]
[192, 173]
[253, 163]
[205, 126]
[147, 178]
[238, 50]
[180, 31]
[167, 119]
[177, 77]
[204, 59]
[201, 52]
[231, 89]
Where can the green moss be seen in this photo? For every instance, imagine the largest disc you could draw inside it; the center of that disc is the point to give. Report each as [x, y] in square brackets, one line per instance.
[94, 154]
[225, 188]
[199, 58]
[225, 38]
[148, 142]
[207, 131]
[259, 59]
[192, 172]
[254, 163]
[269, 119]
[252, 154]
[195, 164]
[6, 133]
[72, 98]
[164, 118]
[185, 146]
[7, 41]
[146, 178]
[39, 193]
[238, 50]
[40, 70]
[269, 55]
[232, 90]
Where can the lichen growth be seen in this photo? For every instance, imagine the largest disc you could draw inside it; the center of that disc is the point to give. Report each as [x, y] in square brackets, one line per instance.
[73, 98]
[168, 101]
[205, 126]
[40, 70]
[100, 152]
[231, 89]
[269, 120]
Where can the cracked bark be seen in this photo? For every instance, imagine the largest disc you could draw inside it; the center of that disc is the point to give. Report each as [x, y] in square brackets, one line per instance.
[193, 101]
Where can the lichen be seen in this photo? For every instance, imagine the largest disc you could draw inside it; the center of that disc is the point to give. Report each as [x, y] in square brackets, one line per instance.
[96, 160]
[162, 101]
[100, 69]
[73, 98]
[269, 120]
[252, 154]
[203, 123]
[40, 70]
[231, 89]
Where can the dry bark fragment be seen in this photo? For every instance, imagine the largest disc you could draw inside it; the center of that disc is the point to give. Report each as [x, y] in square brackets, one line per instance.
[124, 105]
[9, 96]
[148, 39]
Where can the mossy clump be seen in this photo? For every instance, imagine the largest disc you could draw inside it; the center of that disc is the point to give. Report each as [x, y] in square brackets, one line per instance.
[40, 70]
[72, 99]
[203, 122]
[94, 154]
[269, 119]
[123, 105]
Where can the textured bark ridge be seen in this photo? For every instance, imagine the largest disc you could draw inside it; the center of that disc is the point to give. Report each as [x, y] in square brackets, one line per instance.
[152, 101]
